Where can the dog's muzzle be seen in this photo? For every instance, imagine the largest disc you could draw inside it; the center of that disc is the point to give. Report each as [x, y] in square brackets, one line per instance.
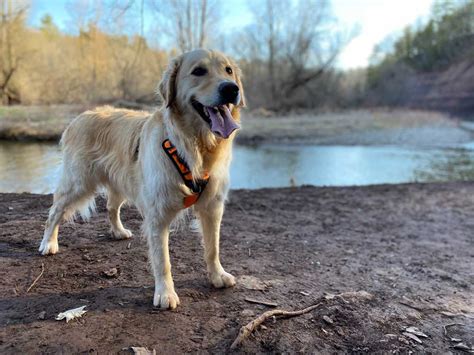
[229, 93]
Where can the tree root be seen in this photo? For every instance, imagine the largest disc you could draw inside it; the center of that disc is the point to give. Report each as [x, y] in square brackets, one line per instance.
[246, 330]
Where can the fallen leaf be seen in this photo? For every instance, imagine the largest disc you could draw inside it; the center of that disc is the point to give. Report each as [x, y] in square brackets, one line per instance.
[71, 314]
[142, 351]
[412, 337]
[252, 283]
[462, 346]
[328, 320]
[416, 331]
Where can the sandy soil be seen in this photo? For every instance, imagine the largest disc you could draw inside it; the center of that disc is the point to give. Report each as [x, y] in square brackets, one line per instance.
[409, 246]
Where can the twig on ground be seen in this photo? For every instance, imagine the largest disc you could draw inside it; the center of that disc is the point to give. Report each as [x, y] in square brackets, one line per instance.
[37, 278]
[246, 330]
[240, 207]
[421, 308]
[451, 314]
[266, 303]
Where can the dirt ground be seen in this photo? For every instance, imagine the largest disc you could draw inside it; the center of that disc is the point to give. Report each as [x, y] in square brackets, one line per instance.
[410, 247]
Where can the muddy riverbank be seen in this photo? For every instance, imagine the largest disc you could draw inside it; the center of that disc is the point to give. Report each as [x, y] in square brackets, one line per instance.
[410, 247]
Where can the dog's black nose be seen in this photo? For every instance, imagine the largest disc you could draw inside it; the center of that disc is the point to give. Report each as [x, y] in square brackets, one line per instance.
[229, 92]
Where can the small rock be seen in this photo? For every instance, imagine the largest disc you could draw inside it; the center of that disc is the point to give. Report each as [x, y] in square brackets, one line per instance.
[263, 327]
[328, 320]
[42, 315]
[113, 272]
[86, 257]
[10, 208]
[247, 313]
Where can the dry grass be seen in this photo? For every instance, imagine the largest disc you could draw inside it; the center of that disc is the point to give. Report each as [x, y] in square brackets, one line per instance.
[345, 127]
[40, 123]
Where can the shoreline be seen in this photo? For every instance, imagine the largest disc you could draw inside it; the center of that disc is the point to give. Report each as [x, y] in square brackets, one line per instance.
[354, 127]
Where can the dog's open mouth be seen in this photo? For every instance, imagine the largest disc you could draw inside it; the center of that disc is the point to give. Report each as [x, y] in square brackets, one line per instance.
[219, 118]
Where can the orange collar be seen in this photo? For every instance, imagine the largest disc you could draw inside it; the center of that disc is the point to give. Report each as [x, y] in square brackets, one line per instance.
[197, 186]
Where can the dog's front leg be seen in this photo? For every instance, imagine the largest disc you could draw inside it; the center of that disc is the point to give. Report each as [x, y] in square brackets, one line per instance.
[157, 234]
[211, 218]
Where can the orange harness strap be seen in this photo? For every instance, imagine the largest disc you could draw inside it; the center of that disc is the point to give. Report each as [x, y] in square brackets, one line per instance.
[197, 186]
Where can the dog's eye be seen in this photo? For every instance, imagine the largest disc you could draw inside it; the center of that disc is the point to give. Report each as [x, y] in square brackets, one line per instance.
[199, 71]
[228, 70]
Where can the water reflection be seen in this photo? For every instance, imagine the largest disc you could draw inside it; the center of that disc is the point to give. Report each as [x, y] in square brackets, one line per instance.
[35, 167]
[31, 167]
[276, 166]
[455, 165]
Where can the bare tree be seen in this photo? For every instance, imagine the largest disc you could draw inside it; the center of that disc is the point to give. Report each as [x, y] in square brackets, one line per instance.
[188, 24]
[297, 42]
[12, 47]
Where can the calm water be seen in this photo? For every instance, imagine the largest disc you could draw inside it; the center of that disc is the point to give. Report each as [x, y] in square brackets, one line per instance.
[35, 167]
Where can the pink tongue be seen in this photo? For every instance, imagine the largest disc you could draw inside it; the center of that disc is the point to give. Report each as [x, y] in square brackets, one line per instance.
[223, 125]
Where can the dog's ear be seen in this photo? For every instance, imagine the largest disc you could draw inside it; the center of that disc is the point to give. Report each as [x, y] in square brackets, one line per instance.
[167, 87]
[238, 79]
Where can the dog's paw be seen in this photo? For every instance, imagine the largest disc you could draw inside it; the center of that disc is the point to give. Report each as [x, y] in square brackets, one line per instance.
[122, 234]
[165, 298]
[222, 279]
[48, 247]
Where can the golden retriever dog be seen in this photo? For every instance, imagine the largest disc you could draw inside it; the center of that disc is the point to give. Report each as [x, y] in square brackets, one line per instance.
[159, 162]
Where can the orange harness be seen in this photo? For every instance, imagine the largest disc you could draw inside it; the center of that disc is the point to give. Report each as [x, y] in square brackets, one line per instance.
[197, 186]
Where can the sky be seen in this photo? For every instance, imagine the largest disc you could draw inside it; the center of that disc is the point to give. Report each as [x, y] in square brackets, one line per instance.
[375, 20]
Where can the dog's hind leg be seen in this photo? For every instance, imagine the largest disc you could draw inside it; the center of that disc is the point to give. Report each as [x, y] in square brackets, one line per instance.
[114, 202]
[210, 218]
[66, 202]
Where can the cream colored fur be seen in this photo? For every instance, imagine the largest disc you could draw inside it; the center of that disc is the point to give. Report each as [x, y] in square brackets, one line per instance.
[120, 150]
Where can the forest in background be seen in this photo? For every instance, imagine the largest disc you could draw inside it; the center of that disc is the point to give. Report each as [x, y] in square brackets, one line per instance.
[287, 54]
[108, 53]
[430, 65]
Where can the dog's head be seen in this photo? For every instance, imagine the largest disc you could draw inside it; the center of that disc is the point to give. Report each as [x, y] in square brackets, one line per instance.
[205, 88]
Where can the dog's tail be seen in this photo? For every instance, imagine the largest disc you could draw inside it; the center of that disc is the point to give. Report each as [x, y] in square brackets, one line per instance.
[85, 207]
